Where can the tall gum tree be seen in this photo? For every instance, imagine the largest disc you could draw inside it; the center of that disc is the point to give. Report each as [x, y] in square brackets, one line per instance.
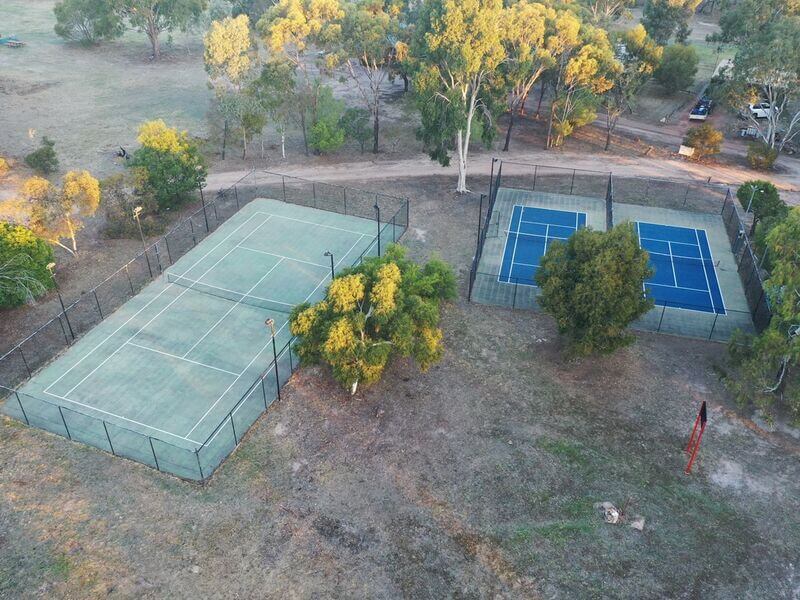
[458, 49]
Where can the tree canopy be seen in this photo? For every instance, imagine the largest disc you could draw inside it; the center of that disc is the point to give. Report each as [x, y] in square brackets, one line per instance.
[23, 265]
[678, 68]
[87, 21]
[227, 49]
[592, 285]
[387, 306]
[154, 17]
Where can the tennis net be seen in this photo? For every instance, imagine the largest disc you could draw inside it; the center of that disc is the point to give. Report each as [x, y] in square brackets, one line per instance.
[230, 295]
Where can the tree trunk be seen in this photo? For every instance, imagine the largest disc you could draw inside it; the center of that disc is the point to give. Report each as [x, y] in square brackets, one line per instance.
[224, 138]
[549, 141]
[522, 105]
[608, 138]
[541, 97]
[461, 187]
[508, 131]
[283, 143]
[405, 82]
[375, 130]
[244, 144]
[152, 34]
[303, 127]
[72, 236]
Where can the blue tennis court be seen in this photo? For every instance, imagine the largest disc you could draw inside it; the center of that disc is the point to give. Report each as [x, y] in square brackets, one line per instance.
[684, 268]
[530, 231]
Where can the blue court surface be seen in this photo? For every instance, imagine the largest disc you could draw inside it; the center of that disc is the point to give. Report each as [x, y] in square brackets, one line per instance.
[684, 268]
[529, 233]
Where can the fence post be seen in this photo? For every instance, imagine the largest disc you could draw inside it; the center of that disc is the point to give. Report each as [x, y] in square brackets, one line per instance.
[663, 310]
[63, 330]
[235, 439]
[199, 466]
[97, 302]
[169, 254]
[236, 195]
[344, 193]
[22, 408]
[25, 362]
[314, 192]
[394, 239]
[686, 197]
[572, 184]
[713, 325]
[153, 450]
[130, 281]
[283, 183]
[158, 258]
[535, 170]
[61, 412]
[108, 437]
[277, 380]
[205, 214]
[191, 228]
[264, 393]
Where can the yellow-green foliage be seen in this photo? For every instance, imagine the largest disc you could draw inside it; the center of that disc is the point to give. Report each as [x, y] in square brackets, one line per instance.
[227, 48]
[385, 307]
[3, 166]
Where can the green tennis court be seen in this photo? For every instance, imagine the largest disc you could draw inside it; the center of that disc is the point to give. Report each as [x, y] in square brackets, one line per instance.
[158, 380]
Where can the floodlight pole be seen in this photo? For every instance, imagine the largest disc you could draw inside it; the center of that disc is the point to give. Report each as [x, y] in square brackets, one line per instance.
[752, 196]
[51, 268]
[202, 196]
[136, 212]
[329, 253]
[378, 218]
[271, 324]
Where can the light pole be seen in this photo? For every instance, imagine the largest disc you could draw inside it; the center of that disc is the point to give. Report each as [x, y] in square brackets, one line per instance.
[329, 253]
[378, 218]
[136, 212]
[271, 324]
[752, 196]
[52, 268]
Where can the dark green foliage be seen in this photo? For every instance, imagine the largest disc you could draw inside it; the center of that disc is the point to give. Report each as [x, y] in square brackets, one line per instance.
[23, 265]
[326, 133]
[705, 140]
[121, 194]
[678, 68]
[44, 159]
[766, 201]
[170, 178]
[761, 156]
[87, 21]
[664, 18]
[254, 9]
[356, 125]
[592, 286]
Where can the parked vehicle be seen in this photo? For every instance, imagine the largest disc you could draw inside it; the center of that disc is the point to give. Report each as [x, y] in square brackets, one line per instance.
[762, 110]
[702, 109]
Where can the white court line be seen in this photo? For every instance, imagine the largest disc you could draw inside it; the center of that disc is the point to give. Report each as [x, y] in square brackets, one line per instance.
[313, 223]
[230, 310]
[672, 264]
[183, 358]
[705, 273]
[191, 282]
[516, 240]
[676, 287]
[285, 257]
[136, 314]
[105, 412]
[270, 341]
[158, 314]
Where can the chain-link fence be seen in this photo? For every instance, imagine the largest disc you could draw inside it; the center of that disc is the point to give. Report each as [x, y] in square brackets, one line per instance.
[680, 203]
[79, 315]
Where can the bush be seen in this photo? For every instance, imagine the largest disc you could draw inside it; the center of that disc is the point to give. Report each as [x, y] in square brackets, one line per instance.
[356, 125]
[172, 167]
[89, 21]
[705, 140]
[4, 167]
[761, 156]
[678, 68]
[121, 194]
[766, 201]
[23, 265]
[44, 160]
[326, 133]
[592, 285]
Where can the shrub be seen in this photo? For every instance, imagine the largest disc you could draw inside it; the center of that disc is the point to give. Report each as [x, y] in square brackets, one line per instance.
[705, 140]
[88, 21]
[326, 133]
[121, 194]
[761, 156]
[171, 163]
[44, 159]
[23, 265]
[356, 126]
[678, 68]
[4, 167]
[592, 285]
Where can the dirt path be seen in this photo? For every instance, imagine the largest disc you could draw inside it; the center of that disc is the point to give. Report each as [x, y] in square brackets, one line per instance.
[422, 166]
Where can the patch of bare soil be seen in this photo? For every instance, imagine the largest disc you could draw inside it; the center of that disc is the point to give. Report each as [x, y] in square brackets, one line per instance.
[475, 479]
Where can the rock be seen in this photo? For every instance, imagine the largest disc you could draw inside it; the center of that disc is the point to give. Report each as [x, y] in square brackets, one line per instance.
[638, 523]
[609, 511]
[195, 569]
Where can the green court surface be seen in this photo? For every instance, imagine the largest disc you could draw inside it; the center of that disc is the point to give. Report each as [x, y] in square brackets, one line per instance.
[158, 380]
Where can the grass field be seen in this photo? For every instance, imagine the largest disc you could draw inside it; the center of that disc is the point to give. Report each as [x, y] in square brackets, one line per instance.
[476, 479]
